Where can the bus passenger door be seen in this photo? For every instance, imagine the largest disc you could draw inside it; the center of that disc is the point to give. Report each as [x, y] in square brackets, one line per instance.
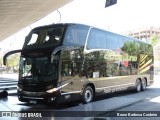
[69, 76]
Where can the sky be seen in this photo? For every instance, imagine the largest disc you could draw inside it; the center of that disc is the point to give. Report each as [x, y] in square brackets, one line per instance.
[124, 16]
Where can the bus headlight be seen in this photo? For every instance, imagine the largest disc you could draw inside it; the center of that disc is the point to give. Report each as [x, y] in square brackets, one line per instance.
[52, 90]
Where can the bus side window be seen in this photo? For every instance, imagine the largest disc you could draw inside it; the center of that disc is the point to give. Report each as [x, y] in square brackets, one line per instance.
[115, 69]
[134, 68]
[66, 69]
[91, 44]
[111, 41]
[71, 63]
[124, 70]
[97, 39]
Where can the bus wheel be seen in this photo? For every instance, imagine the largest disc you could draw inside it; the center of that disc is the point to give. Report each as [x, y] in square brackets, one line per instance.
[88, 95]
[138, 85]
[144, 84]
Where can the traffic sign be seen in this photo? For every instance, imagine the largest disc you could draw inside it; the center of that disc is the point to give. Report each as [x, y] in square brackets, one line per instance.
[110, 2]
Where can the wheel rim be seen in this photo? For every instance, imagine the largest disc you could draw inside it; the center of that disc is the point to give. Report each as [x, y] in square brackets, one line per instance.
[88, 95]
[138, 86]
[144, 84]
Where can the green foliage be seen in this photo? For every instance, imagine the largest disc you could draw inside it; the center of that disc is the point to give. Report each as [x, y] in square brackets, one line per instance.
[130, 47]
[154, 40]
[13, 60]
[1, 61]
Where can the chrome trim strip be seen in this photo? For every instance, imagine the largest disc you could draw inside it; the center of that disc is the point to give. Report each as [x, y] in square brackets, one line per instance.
[63, 85]
[116, 86]
[28, 92]
[33, 98]
[79, 91]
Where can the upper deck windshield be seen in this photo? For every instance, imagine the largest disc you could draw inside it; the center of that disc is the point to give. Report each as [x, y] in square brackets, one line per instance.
[44, 36]
[75, 35]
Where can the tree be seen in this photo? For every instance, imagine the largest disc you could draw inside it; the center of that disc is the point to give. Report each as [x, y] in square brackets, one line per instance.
[13, 62]
[154, 40]
[1, 61]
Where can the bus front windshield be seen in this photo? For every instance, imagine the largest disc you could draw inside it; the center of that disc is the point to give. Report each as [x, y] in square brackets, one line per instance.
[35, 70]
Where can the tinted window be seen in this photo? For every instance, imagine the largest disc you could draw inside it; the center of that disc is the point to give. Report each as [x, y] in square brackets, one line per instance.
[112, 41]
[71, 64]
[137, 46]
[44, 36]
[129, 46]
[125, 45]
[76, 35]
[146, 49]
[97, 39]
[150, 49]
[143, 48]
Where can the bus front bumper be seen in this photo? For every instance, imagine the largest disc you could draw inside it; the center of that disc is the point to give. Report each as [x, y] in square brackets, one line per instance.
[26, 96]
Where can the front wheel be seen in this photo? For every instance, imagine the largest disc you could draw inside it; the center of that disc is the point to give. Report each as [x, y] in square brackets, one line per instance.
[88, 95]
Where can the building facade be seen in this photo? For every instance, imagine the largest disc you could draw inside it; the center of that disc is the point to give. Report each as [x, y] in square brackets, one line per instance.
[144, 33]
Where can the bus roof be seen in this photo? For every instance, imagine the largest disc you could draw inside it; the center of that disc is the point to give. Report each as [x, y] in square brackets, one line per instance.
[68, 24]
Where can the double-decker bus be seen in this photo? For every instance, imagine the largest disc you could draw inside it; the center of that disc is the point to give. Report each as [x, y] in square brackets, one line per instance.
[66, 62]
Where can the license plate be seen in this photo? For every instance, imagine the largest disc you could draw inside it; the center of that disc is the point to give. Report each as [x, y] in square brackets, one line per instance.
[33, 101]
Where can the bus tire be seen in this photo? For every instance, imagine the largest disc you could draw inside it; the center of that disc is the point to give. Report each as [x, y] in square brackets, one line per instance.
[138, 86]
[144, 84]
[88, 94]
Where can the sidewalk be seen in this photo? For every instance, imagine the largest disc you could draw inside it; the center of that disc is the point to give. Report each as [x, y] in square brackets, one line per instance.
[10, 76]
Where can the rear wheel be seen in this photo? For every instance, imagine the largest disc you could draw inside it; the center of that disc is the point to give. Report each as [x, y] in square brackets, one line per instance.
[144, 84]
[138, 86]
[88, 94]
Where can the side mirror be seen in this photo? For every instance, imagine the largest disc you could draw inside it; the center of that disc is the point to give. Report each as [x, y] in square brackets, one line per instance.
[8, 54]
